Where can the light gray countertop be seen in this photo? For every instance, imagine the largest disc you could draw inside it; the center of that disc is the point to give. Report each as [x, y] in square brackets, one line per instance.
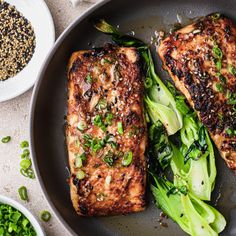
[14, 121]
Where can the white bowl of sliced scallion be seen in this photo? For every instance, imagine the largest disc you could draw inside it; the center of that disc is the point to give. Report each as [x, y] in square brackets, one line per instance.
[15, 219]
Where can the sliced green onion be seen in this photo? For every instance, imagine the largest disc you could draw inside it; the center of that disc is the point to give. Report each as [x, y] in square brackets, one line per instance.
[81, 125]
[102, 104]
[89, 78]
[78, 162]
[98, 122]
[215, 16]
[222, 78]
[127, 159]
[109, 158]
[25, 164]
[30, 173]
[6, 139]
[23, 193]
[120, 128]
[25, 154]
[109, 118]
[217, 52]
[24, 144]
[219, 87]
[45, 216]
[107, 61]
[232, 69]
[80, 174]
[23, 172]
[218, 65]
[229, 131]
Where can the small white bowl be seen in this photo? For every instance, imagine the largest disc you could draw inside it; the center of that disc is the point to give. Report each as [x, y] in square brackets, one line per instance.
[23, 210]
[36, 11]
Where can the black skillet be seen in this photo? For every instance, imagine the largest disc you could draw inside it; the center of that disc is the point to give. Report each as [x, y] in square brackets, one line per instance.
[49, 106]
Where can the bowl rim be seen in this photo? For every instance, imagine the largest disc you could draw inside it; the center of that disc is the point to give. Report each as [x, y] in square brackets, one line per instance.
[25, 212]
[34, 97]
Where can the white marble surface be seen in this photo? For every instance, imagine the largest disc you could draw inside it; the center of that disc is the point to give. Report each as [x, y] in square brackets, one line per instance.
[14, 121]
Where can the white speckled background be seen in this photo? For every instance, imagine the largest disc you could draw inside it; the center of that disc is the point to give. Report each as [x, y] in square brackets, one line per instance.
[14, 121]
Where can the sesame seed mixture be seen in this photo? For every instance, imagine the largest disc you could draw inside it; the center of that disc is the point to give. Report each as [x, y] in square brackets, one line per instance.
[17, 41]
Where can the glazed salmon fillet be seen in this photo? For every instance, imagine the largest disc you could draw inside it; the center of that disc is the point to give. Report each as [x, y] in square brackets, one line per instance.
[201, 59]
[106, 131]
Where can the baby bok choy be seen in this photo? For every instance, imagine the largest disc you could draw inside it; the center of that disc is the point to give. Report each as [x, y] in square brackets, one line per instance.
[194, 161]
[190, 159]
[193, 215]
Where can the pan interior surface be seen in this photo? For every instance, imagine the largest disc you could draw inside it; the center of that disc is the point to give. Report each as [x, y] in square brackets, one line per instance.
[49, 108]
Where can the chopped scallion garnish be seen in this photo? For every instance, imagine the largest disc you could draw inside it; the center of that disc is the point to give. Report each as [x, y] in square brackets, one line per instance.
[219, 87]
[232, 69]
[218, 65]
[109, 118]
[89, 78]
[6, 139]
[217, 52]
[81, 125]
[45, 216]
[23, 193]
[98, 122]
[25, 164]
[120, 128]
[102, 104]
[80, 175]
[127, 159]
[229, 131]
[24, 144]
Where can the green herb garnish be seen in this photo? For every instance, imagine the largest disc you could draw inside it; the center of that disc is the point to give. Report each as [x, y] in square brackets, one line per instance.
[25, 164]
[107, 61]
[45, 216]
[80, 175]
[229, 131]
[232, 69]
[127, 159]
[222, 78]
[81, 126]
[120, 128]
[14, 223]
[102, 104]
[6, 139]
[109, 158]
[98, 122]
[219, 87]
[24, 144]
[215, 16]
[109, 118]
[23, 193]
[217, 52]
[78, 162]
[218, 65]
[25, 154]
[89, 78]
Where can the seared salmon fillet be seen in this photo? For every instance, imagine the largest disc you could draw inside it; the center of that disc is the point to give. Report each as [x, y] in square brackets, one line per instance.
[201, 59]
[106, 131]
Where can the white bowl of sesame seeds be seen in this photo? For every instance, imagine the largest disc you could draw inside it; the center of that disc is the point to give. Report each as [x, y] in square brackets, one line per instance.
[38, 14]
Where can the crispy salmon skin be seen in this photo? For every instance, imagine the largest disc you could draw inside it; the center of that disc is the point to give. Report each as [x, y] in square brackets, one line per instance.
[106, 131]
[201, 59]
